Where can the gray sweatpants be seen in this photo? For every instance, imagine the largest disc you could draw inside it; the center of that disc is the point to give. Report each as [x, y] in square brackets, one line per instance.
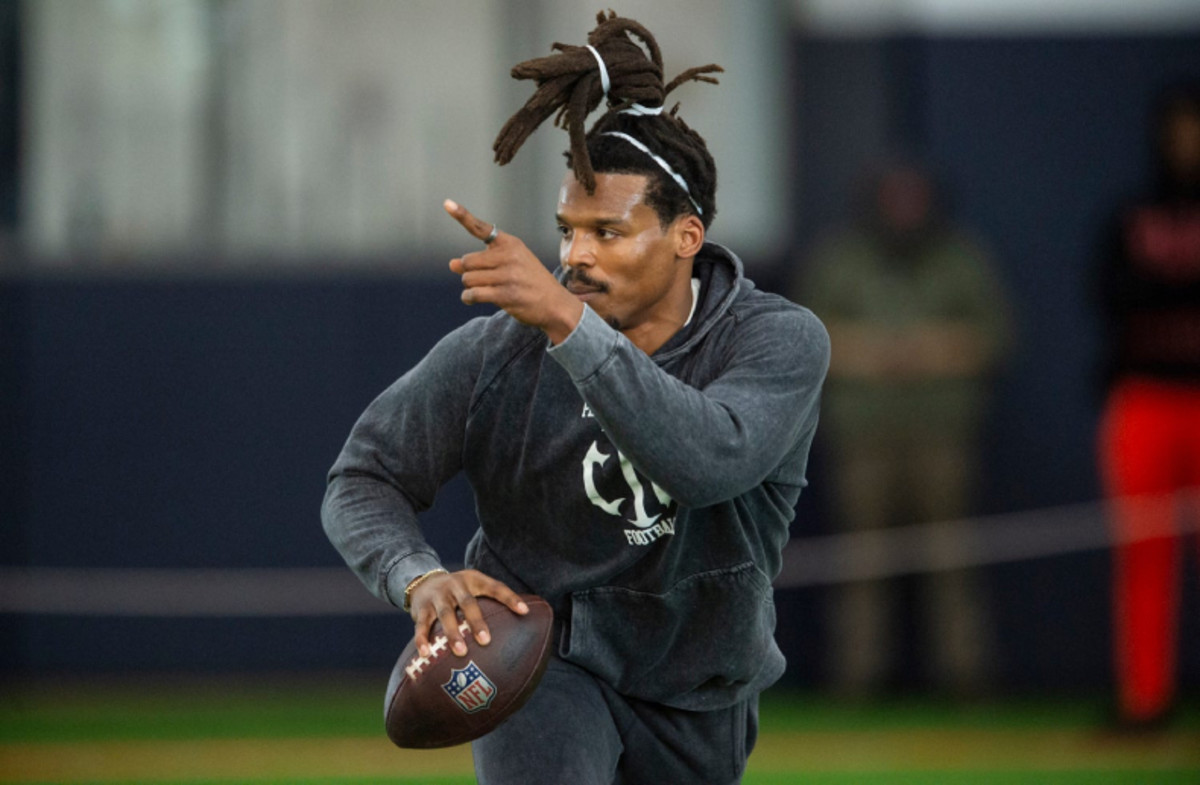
[579, 730]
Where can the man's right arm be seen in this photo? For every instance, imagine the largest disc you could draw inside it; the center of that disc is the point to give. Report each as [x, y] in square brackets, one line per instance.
[404, 447]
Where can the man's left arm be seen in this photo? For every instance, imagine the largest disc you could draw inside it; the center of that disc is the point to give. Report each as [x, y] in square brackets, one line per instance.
[706, 445]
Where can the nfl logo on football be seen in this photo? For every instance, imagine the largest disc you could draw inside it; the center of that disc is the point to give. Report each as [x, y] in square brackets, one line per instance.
[470, 688]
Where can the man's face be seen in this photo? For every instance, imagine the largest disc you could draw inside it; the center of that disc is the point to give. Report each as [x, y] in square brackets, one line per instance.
[618, 257]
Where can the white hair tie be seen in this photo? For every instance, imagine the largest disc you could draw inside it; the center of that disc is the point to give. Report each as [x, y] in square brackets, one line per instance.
[666, 167]
[606, 85]
[638, 109]
[603, 69]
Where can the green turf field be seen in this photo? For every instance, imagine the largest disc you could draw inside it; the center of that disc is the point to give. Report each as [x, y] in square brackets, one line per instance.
[263, 731]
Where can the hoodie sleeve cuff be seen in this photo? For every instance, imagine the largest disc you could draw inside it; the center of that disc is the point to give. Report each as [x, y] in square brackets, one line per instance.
[403, 572]
[584, 352]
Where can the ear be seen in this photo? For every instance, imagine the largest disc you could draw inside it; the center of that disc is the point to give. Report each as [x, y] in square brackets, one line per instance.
[688, 232]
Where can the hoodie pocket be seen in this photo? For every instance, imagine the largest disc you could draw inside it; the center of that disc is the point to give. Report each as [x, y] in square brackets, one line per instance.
[704, 644]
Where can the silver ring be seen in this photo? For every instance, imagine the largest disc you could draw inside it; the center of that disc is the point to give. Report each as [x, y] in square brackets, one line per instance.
[491, 235]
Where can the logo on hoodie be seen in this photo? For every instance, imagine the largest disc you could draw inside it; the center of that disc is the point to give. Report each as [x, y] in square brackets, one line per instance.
[645, 507]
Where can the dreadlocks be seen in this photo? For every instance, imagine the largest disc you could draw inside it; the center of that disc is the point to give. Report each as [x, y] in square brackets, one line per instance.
[633, 132]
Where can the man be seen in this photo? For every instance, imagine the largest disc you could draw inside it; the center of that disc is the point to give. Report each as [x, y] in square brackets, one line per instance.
[1149, 436]
[919, 322]
[636, 431]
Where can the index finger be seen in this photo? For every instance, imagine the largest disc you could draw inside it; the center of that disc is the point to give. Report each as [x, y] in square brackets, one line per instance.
[477, 228]
[423, 624]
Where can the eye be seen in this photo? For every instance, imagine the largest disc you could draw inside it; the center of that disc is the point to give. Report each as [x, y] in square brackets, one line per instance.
[564, 231]
[605, 234]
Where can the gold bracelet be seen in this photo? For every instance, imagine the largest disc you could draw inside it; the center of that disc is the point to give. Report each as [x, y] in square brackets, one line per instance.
[415, 582]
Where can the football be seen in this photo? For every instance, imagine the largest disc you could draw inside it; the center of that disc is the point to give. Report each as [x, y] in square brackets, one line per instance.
[444, 699]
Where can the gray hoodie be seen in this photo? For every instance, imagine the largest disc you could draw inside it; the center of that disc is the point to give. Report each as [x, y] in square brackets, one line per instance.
[647, 498]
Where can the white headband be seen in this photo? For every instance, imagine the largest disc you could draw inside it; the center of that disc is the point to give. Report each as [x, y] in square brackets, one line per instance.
[606, 84]
[661, 162]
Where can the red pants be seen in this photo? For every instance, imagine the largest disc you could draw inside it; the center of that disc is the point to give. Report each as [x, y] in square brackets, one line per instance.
[1150, 460]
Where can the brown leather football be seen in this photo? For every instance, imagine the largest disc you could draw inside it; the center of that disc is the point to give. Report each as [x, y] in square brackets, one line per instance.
[444, 699]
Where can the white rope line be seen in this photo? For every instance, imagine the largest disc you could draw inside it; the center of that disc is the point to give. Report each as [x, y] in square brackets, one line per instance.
[956, 545]
[334, 591]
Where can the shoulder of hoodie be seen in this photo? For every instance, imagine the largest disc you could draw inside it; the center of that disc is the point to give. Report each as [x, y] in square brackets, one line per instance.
[749, 308]
[797, 328]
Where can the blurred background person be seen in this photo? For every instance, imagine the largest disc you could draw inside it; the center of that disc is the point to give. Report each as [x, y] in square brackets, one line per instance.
[1149, 449]
[918, 322]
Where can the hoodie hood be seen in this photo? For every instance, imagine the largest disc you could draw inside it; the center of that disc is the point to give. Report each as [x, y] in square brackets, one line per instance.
[722, 278]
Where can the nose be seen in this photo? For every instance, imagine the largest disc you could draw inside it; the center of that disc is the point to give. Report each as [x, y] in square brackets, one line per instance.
[577, 251]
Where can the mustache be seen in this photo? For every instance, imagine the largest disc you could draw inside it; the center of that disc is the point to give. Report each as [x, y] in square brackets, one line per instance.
[577, 276]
